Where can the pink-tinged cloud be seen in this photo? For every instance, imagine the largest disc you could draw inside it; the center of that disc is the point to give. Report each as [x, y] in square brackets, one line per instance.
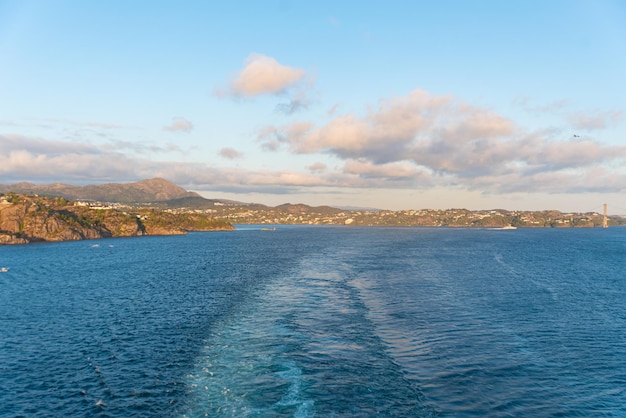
[382, 135]
[590, 180]
[179, 125]
[390, 171]
[12, 143]
[466, 123]
[83, 164]
[263, 75]
[317, 167]
[441, 135]
[230, 153]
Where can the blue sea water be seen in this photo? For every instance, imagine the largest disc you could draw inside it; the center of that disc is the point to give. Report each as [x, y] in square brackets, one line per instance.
[317, 321]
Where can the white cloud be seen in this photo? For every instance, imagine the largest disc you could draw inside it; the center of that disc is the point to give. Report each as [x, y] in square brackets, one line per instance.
[179, 125]
[262, 75]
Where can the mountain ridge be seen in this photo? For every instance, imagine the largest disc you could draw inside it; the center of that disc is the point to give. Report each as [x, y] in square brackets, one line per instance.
[144, 191]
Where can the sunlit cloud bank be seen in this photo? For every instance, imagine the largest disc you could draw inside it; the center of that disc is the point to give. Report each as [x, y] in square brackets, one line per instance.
[425, 140]
[25, 158]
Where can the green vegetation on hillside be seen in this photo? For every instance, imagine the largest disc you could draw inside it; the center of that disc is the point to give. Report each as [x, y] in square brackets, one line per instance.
[32, 218]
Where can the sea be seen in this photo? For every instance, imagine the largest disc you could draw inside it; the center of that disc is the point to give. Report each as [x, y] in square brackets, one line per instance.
[317, 321]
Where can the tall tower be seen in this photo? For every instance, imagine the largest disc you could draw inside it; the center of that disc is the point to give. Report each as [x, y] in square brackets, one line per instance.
[605, 220]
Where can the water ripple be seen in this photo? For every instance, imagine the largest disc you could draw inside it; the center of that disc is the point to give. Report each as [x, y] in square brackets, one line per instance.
[317, 322]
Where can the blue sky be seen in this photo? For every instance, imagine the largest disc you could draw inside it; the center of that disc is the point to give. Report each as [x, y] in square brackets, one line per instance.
[394, 105]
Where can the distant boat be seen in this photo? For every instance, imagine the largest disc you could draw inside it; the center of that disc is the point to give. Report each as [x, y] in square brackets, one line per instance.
[4, 269]
[268, 229]
[501, 228]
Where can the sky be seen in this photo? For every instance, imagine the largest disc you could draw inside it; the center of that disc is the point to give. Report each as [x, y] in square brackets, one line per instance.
[483, 104]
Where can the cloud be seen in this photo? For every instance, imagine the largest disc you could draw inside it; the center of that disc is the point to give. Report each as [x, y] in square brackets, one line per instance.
[140, 147]
[558, 155]
[100, 125]
[528, 104]
[389, 171]
[292, 107]
[11, 143]
[299, 101]
[382, 135]
[444, 140]
[595, 120]
[24, 158]
[34, 158]
[588, 120]
[262, 75]
[272, 137]
[179, 125]
[230, 153]
[317, 167]
[592, 180]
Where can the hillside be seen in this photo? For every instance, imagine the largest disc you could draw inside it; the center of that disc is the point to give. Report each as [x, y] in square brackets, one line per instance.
[25, 219]
[144, 191]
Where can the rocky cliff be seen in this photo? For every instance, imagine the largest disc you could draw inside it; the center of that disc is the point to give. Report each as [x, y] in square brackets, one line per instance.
[30, 218]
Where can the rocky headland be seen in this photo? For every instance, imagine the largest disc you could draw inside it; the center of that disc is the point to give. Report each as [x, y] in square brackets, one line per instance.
[31, 218]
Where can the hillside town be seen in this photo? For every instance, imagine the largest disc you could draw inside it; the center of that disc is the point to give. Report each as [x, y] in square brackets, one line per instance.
[324, 215]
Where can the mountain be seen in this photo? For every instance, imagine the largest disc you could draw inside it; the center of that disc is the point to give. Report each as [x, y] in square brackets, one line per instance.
[144, 191]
